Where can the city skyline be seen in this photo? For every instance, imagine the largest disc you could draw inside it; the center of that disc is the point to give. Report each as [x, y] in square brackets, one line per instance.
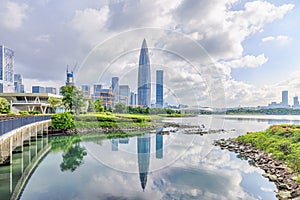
[254, 49]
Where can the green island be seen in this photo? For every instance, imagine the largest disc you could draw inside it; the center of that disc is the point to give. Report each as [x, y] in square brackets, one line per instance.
[282, 141]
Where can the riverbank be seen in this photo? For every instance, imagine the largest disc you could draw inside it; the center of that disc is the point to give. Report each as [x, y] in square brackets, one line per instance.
[276, 151]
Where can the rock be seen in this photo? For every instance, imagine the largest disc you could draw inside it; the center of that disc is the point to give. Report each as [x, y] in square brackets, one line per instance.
[273, 178]
[284, 195]
[295, 193]
[283, 187]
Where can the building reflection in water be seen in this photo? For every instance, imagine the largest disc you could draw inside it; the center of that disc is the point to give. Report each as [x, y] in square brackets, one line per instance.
[114, 144]
[143, 148]
[159, 146]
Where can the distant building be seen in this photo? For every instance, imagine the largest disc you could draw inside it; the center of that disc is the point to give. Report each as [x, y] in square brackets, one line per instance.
[96, 91]
[296, 102]
[133, 98]
[51, 90]
[124, 96]
[86, 91]
[18, 83]
[7, 59]
[70, 78]
[285, 98]
[115, 89]
[159, 88]
[107, 97]
[38, 89]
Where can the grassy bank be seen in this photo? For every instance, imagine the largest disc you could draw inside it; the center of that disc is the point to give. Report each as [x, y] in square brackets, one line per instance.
[112, 120]
[177, 115]
[283, 141]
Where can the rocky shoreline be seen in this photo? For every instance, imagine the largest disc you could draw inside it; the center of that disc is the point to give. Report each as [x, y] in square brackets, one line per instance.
[276, 171]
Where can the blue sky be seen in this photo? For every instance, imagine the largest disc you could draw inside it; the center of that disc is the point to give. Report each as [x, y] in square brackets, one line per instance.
[253, 45]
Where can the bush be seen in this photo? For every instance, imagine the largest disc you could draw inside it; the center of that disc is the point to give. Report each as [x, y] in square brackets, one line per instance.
[34, 112]
[23, 112]
[62, 121]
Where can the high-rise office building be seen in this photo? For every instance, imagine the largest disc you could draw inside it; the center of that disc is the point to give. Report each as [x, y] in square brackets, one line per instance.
[86, 91]
[132, 99]
[38, 89]
[124, 96]
[296, 102]
[51, 90]
[7, 59]
[144, 77]
[107, 97]
[159, 88]
[96, 91]
[285, 98]
[115, 89]
[18, 83]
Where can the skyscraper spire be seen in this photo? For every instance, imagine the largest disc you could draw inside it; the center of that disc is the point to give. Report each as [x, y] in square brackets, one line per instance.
[144, 77]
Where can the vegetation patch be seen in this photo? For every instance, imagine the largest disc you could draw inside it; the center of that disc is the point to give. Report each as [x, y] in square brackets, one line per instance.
[283, 141]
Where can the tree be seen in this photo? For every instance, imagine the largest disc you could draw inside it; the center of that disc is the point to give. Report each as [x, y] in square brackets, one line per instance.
[54, 103]
[4, 105]
[98, 105]
[120, 108]
[91, 106]
[73, 98]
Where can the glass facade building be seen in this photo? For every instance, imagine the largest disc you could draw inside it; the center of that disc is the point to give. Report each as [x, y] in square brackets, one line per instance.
[159, 88]
[38, 89]
[18, 83]
[143, 148]
[285, 98]
[144, 77]
[124, 94]
[115, 89]
[86, 91]
[7, 59]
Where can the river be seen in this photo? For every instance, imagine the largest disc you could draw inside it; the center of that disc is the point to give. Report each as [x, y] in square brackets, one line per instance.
[175, 166]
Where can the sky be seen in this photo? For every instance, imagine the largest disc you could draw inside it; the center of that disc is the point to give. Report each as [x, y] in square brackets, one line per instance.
[214, 53]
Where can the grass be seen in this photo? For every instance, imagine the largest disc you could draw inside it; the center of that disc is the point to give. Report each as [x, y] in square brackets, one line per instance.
[112, 120]
[283, 141]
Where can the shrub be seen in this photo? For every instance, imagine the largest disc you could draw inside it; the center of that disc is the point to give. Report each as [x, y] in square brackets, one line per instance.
[62, 121]
[23, 112]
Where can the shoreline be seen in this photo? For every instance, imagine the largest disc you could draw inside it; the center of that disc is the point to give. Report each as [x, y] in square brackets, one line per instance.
[276, 171]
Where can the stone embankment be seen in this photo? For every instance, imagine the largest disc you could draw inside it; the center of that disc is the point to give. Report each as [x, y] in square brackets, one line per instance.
[275, 171]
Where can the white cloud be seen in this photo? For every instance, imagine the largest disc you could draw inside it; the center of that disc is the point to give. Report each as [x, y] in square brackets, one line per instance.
[280, 38]
[247, 61]
[12, 15]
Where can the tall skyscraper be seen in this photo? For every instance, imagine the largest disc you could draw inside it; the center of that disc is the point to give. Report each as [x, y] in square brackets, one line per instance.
[124, 94]
[159, 88]
[144, 77]
[86, 91]
[143, 145]
[7, 59]
[115, 89]
[18, 83]
[285, 98]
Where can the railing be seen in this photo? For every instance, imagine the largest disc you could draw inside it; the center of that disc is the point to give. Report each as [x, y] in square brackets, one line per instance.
[9, 124]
